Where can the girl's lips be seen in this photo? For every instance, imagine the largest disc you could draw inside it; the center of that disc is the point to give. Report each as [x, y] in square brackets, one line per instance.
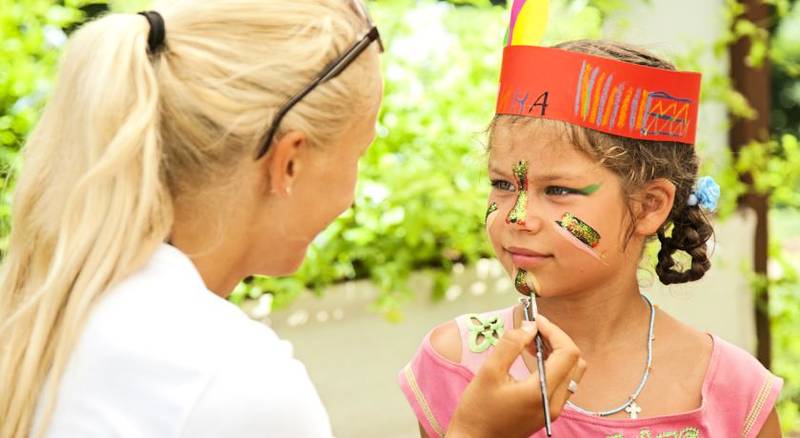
[525, 258]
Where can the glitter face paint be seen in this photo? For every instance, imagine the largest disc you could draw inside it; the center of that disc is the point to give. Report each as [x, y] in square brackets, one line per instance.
[588, 190]
[584, 237]
[518, 214]
[491, 209]
[580, 229]
[526, 283]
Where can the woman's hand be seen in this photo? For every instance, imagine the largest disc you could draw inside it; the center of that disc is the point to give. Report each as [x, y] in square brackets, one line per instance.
[496, 405]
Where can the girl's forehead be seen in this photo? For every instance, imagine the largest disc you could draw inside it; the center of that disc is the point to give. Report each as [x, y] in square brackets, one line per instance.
[545, 144]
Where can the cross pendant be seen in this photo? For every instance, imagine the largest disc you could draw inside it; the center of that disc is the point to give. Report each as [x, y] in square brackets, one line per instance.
[633, 410]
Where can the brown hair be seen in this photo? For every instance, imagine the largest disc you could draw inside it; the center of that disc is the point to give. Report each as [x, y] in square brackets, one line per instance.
[638, 161]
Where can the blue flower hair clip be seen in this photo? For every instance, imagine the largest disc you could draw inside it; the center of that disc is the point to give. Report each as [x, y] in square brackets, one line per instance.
[706, 194]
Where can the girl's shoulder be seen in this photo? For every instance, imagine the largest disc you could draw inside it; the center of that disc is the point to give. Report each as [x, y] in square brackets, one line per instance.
[445, 363]
[739, 386]
[738, 392]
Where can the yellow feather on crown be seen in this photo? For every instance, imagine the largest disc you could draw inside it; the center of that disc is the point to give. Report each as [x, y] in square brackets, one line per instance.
[528, 22]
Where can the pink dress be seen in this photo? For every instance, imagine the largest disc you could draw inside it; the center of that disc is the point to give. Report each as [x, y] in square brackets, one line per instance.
[738, 394]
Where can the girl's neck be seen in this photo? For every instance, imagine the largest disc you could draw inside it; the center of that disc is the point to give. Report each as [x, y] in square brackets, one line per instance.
[600, 319]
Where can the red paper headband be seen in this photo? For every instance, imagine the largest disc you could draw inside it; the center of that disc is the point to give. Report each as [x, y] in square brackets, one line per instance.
[616, 97]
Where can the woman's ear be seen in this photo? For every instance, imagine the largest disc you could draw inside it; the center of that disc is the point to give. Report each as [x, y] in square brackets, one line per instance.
[282, 163]
[653, 205]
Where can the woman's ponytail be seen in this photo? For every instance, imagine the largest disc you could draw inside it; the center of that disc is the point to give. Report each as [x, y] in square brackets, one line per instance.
[90, 206]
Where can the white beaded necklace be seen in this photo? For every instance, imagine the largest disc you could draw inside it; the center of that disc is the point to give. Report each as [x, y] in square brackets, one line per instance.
[630, 405]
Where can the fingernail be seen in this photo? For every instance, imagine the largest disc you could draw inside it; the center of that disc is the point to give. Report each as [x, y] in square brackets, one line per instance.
[528, 326]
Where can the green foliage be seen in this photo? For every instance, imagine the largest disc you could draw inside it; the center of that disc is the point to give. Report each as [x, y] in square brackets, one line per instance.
[775, 169]
[31, 33]
[422, 188]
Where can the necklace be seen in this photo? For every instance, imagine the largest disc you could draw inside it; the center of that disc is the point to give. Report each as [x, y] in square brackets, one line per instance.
[630, 405]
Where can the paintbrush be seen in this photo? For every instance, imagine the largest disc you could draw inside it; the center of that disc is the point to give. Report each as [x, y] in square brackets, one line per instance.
[528, 312]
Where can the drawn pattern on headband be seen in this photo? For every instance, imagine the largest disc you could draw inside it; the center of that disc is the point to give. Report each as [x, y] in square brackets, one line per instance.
[518, 214]
[599, 101]
[491, 209]
[521, 100]
[580, 229]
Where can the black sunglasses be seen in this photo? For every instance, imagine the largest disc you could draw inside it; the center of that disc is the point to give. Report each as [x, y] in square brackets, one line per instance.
[333, 69]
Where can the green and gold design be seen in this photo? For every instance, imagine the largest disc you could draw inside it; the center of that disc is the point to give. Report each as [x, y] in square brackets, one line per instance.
[525, 283]
[579, 229]
[518, 214]
[491, 209]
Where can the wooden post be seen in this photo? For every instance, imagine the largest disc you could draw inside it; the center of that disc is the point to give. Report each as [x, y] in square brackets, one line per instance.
[754, 84]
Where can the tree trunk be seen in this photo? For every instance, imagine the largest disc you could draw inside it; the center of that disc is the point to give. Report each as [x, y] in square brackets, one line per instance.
[754, 84]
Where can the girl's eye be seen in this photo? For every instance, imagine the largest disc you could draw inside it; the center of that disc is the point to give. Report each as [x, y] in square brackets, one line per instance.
[560, 191]
[504, 185]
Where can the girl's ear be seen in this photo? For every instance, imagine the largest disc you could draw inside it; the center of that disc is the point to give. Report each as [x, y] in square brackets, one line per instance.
[282, 163]
[652, 205]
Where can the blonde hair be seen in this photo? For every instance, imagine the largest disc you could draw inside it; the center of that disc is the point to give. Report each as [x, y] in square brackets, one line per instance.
[126, 135]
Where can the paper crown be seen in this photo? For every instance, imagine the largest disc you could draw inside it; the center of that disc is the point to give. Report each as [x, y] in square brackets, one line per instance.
[603, 94]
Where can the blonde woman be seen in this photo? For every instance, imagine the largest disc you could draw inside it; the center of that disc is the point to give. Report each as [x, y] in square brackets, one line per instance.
[181, 151]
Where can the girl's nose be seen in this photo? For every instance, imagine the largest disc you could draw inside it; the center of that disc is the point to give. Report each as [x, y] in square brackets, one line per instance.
[523, 214]
[532, 224]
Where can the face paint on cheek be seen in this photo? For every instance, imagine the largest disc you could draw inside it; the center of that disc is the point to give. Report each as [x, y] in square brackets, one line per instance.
[580, 229]
[518, 214]
[578, 233]
[526, 283]
[492, 208]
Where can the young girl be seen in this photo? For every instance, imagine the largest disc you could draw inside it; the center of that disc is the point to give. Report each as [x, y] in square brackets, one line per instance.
[590, 156]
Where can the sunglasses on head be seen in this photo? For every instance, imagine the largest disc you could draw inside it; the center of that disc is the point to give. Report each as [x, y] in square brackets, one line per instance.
[333, 69]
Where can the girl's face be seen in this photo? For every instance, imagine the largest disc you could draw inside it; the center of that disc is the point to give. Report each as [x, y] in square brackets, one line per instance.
[568, 226]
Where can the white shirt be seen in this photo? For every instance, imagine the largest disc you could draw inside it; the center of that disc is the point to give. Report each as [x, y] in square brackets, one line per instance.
[162, 356]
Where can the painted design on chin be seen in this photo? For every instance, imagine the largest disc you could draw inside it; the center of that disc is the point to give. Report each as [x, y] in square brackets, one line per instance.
[526, 283]
[580, 236]
[518, 214]
[491, 209]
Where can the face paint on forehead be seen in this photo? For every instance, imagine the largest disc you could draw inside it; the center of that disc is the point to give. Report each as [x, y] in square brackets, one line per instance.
[519, 213]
